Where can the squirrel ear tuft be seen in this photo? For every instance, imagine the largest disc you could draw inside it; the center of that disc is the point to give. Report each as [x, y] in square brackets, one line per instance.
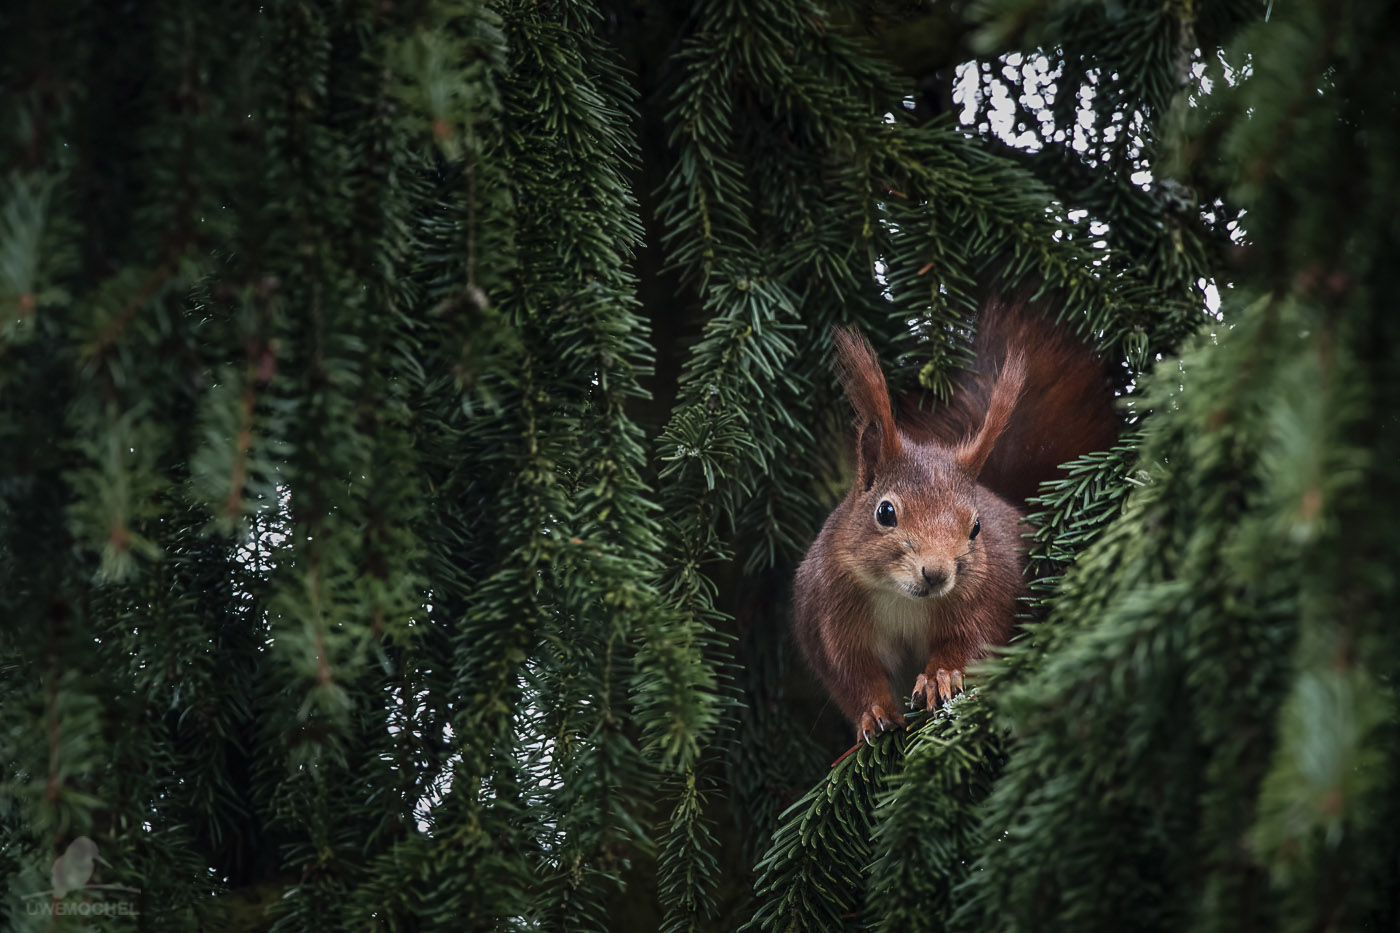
[972, 454]
[868, 445]
[860, 375]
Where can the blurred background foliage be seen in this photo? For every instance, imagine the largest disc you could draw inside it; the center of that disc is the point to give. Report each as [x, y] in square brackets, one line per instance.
[411, 414]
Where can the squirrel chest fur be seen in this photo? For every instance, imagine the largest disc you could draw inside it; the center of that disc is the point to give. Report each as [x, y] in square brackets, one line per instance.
[918, 570]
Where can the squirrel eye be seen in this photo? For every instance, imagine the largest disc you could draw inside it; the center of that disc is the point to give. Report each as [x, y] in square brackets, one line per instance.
[884, 514]
[976, 527]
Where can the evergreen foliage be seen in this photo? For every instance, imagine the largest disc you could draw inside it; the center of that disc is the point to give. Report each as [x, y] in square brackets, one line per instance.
[411, 415]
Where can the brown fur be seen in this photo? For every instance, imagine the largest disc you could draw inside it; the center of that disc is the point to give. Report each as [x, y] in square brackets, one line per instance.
[860, 375]
[1066, 408]
[923, 599]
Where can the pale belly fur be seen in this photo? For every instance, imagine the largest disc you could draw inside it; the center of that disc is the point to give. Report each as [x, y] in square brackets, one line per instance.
[901, 641]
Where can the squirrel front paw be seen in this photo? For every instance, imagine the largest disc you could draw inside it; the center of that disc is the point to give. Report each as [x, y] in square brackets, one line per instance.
[932, 692]
[875, 720]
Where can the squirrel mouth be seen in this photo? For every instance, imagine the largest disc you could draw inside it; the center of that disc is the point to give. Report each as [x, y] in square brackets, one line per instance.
[924, 591]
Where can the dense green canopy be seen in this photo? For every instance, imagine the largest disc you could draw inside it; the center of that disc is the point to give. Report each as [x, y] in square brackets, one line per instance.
[411, 415]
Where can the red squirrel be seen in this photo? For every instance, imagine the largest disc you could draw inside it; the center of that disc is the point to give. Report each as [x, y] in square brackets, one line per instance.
[921, 565]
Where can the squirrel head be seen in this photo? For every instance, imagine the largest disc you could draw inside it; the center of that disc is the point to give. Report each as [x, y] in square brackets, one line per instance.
[910, 524]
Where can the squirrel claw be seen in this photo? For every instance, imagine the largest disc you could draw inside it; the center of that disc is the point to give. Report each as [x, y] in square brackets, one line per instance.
[931, 693]
[919, 696]
[875, 720]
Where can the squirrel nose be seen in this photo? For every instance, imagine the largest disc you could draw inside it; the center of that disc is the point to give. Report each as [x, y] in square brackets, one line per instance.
[934, 578]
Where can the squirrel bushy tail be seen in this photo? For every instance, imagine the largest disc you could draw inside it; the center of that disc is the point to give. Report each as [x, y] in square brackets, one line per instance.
[1065, 408]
